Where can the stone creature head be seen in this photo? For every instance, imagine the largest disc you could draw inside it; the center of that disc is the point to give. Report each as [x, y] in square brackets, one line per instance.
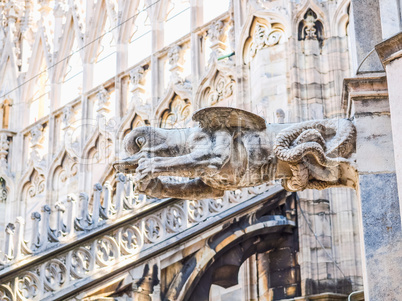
[142, 142]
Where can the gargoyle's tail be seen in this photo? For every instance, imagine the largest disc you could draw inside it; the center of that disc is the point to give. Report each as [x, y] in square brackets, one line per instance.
[329, 142]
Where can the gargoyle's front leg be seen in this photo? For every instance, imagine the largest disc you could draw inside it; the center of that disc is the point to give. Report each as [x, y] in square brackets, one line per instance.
[192, 190]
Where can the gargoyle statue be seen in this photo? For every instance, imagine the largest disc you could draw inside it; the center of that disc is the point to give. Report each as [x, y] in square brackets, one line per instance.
[233, 148]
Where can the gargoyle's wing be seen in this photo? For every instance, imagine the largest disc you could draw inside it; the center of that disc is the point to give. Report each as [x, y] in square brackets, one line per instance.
[225, 117]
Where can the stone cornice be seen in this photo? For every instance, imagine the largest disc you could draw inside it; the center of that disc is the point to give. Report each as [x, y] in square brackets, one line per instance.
[390, 49]
[363, 88]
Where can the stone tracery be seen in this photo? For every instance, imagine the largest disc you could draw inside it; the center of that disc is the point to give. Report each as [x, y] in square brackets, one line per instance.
[262, 35]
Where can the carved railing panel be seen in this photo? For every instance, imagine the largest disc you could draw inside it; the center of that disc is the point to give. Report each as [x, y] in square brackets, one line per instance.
[76, 257]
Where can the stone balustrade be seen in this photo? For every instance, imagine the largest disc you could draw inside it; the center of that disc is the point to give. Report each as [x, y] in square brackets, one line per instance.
[100, 236]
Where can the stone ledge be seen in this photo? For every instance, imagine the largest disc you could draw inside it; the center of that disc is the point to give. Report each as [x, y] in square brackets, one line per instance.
[363, 88]
[323, 297]
[390, 49]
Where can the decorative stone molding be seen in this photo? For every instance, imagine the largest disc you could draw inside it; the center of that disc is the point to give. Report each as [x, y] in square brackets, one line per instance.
[37, 135]
[137, 77]
[68, 118]
[4, 147]
[179, 111]
[175, 58]
[69, 169]
[37, 139]
[262, 35]
[217, 36]
[221, 88]
[103, 103]
[37, 185]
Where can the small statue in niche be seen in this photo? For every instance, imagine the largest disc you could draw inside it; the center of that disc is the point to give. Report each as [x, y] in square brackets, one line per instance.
[310, 28]
[233, 148]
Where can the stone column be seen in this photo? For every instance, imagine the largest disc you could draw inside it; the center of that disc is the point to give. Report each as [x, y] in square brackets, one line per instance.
[366, 101]
[197, 61]
[390, 53]
[366, 32]
[157, 43]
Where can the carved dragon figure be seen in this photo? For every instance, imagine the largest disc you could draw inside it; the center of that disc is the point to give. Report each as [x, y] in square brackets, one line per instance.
[233, 148]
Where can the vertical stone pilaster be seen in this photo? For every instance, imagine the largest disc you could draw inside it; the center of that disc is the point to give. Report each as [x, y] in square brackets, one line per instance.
[157, 43]
[379, 214]
[366, 32]
[121, 65]
[390, 53]
[196, 56]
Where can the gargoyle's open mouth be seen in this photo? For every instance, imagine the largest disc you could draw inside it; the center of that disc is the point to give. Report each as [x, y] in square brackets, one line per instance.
[124, 166]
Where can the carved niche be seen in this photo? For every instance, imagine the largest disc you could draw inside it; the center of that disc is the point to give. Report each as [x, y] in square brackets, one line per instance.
[311, 28]
[262, 35]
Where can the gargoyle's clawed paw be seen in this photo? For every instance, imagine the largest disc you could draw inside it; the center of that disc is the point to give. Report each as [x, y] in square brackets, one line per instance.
[141, 182]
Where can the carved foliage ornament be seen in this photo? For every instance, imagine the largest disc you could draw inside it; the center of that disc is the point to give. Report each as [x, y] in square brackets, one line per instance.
[221, 88]
[179, 111]
[263, 35]
[4, 146]
[37, 185]
[69, 169]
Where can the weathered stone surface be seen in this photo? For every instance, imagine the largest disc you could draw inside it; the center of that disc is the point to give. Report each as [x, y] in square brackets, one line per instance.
[390, 53]
[367, 32]
[382, 235]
